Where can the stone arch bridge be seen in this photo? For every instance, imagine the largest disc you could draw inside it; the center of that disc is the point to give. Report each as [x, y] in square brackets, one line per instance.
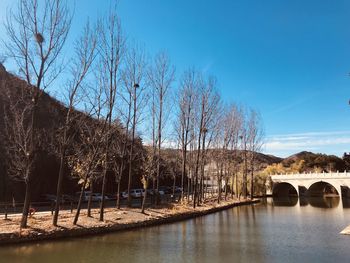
[312, 184]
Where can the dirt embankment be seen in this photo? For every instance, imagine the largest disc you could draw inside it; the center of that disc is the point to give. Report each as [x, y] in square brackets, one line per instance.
[40, 224]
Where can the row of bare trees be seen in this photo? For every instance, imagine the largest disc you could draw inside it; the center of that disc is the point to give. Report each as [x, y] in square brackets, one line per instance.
[109, 83]
[213, 135]
[111, 87]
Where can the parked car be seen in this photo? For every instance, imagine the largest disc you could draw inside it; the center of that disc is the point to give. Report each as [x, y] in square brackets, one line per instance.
[98, 197]
[136, 193]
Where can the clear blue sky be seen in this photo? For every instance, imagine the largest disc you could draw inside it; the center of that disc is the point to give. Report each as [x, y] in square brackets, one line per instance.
[288, 59]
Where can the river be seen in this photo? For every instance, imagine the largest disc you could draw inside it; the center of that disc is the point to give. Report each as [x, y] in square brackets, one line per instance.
[289, 230]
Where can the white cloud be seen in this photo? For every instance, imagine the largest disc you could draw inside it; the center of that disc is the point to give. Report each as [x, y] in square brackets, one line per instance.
[325, 142]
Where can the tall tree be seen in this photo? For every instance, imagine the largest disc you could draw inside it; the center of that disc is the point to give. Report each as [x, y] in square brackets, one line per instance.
[84, 56]
[89, 153]
[236, 122]
[36, 35]
[111, 49]
[186, 99]
[161, 76]
[148, 170]
[134, 97]
[208, 108]
[254, 143]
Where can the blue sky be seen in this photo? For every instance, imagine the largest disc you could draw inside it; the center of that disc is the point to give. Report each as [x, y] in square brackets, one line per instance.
[288, 59]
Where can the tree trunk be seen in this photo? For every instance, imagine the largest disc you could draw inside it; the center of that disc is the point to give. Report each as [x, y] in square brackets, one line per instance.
[59, 184]
[32, 152]
[174, 183]
[144, 200]
[130, 172]
[118, 193]
[219, 193]
[197, 166]
[245, 172]
[183, 172]
[159, 141]
[202, 167]
[77, 213]
[26, 205]
[90, 198]
[188, 188]
[102, 204]
[131, 151]
[252, 178]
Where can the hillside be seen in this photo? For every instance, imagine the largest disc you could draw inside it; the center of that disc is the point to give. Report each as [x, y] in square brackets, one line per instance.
[51, 115]
[262, 160]
[316, 162]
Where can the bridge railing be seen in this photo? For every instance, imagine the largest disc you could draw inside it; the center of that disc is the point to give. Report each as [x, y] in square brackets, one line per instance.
[311, 175]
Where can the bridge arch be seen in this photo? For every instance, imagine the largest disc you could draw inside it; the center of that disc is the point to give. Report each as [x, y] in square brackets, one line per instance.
[302, 182]
[321, 188]
[284, 189]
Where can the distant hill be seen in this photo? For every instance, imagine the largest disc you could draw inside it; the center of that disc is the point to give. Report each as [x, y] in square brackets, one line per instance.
[268, 159]
[262, 160]
[316, 162]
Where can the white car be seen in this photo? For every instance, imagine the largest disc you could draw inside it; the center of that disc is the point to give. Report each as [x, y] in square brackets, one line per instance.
[136, 193]
[98, 197]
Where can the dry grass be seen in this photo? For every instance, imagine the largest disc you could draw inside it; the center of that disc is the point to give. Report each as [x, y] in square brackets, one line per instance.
[41, 223]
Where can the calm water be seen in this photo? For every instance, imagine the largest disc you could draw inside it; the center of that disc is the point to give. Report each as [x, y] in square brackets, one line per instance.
[274, 231]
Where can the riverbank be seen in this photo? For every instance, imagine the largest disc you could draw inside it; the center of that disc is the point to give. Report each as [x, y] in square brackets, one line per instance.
[40, 224]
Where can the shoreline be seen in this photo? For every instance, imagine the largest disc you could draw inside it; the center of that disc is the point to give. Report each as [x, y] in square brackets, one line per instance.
[154, 217]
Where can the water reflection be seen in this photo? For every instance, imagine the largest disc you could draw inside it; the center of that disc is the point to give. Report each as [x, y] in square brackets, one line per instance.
[324, 202]
[346, 202]
[319, 202]
[276, 230]
[285, 201]
[303, 200]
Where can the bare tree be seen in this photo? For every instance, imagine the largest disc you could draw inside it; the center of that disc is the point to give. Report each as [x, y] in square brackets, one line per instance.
[225, 137]
[89, 150]
[148, 170]
[118, 147]
[186, 95]
[244, 137]
[254, 143]
[161, 76]
[84, 57]
[17, 134]
[236, 121]
[111, 49]
[208, 108]
[134, 96]
[191, 157]
[36, 36]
